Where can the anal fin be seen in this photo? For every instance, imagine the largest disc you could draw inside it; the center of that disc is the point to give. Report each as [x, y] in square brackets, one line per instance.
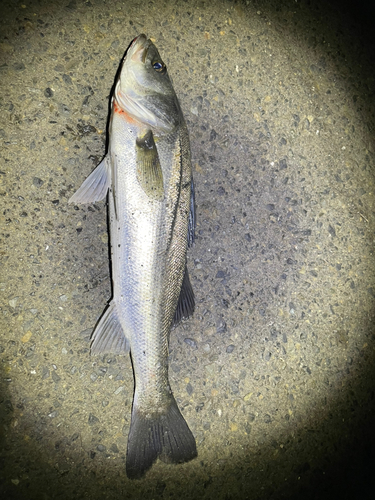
[186, 301]
[108, 336]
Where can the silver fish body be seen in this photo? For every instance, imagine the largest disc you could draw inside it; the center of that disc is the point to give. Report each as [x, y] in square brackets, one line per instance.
[147, 174]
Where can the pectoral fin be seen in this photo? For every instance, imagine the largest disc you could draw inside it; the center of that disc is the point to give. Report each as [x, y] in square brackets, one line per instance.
[149, 173]
[95, 187]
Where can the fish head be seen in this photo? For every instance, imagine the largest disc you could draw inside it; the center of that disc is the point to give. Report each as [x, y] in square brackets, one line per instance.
[144, 90]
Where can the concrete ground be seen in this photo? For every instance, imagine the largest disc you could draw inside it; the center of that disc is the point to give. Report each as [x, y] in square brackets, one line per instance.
[275, 371]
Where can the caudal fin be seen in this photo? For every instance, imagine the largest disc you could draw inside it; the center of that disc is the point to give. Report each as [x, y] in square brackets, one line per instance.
[165, 435]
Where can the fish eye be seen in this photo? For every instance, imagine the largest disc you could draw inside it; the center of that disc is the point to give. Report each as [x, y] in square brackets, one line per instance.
[158, 66]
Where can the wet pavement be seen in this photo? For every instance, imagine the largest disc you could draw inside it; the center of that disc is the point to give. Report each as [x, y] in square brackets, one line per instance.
[274, 373]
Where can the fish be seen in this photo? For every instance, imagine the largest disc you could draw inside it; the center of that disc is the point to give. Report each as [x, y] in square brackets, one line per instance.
[147, 176]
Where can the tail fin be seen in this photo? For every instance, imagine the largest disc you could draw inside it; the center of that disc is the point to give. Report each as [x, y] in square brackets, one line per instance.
[165, 435]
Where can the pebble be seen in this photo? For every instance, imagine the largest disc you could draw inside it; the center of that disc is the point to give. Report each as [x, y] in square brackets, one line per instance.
[211, 369]
[206, 348]
[192, 343]
[189, 389]
[13, 302]
[92, 419]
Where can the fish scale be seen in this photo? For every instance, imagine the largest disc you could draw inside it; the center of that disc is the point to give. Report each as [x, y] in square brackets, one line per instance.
[147, 174]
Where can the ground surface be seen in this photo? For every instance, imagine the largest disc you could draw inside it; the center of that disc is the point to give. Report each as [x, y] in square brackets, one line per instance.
[274, 373]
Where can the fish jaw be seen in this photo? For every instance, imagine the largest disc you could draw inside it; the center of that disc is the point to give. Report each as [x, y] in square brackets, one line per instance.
[138, 47]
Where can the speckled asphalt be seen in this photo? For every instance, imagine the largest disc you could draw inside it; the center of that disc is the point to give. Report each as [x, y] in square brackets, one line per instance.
[274, 373]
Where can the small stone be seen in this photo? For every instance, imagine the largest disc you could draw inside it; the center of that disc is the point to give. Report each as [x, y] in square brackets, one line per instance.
[206, 348]
[211, 369]
[213, 135]
[92, 419]
[67, 79]
[192, 343]
[230, 348]
[13, 302]
[248, 396]
[331, 231]
[19, 66]
[26, 337]
[37, 182]
[267, 355]
[247, 428]
[221, 327]
[194, 110]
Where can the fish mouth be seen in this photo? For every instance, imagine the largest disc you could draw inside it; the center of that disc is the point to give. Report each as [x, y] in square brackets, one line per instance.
[139, 48]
